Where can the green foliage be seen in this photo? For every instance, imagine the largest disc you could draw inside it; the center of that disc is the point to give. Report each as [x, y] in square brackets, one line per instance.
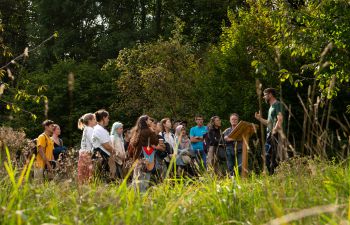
[68, 97]
[158, 79]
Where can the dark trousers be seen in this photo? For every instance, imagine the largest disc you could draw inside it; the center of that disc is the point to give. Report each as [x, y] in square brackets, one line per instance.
[104, 156]
[271, 152]
[234, 158]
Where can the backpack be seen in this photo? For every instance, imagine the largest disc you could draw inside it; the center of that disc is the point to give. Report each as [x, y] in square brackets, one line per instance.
[35, 148]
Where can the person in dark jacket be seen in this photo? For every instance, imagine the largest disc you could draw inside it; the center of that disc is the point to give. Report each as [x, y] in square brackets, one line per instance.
[215, 140]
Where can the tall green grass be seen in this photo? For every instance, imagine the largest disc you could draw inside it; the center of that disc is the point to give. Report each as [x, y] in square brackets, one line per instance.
[311, 191]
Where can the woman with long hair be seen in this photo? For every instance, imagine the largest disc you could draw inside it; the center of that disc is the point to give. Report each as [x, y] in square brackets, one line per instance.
[142, 143]
[214, 139]
[166, 132]
[85, 168]
[59, 148]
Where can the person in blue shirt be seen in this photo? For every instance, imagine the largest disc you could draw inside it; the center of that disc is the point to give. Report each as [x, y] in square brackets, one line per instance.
[197, 140]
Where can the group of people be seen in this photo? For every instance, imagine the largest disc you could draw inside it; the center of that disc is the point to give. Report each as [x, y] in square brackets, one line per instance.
[150, 145]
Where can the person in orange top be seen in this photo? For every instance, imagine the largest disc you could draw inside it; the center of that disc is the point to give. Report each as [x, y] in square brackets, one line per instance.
[45, 147]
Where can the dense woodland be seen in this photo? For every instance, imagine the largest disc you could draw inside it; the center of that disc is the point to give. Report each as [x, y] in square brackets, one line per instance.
[174, 59]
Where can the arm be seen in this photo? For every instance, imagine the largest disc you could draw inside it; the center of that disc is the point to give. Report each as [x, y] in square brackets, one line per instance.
[226, 133]
[193, 138]
[262, 120]
[42, 154]
[108, 147]
[279, 123]
[226, 138]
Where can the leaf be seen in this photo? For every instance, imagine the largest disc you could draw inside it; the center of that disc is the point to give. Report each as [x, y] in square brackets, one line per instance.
[8, 106]
[254, 63]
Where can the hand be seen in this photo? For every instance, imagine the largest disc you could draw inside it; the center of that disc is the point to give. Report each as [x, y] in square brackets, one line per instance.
[258, 116]
[49, 167]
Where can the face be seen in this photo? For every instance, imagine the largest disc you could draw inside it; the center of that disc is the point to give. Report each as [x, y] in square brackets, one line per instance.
[154, 126]
[49, 129]
[175, 125]
[183, 131]
[217, 122]
[159, 127]
[92, 122]
[234, 120]
[149, 122]
[119, 130]
[168, 124]
[57, 130]
[199, 121]
[267, 97]
[105, 121]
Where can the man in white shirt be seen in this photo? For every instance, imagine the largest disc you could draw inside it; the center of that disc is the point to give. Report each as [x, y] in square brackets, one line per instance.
[102, 142]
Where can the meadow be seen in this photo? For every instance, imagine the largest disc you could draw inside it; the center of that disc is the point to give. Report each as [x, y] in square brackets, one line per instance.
[302, 191]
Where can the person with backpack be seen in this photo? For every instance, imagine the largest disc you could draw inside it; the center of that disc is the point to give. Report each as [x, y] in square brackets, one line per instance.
[166, 133]
[44, 154]
[141, 149]
[101, 141]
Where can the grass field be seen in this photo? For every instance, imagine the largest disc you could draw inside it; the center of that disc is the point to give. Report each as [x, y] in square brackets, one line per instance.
[303, 191]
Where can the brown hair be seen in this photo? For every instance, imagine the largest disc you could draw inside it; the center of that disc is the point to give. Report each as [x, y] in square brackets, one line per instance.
[271, 91]
[212, 121]
[47, 123]
[100, 114]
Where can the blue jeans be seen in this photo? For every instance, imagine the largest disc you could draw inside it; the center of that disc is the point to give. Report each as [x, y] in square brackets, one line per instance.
[231, 159]
[200, 157]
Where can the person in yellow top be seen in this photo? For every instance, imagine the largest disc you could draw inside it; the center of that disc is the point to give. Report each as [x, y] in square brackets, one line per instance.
[45, 147]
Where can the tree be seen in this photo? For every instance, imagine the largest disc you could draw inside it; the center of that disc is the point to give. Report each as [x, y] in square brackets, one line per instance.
[158, 79]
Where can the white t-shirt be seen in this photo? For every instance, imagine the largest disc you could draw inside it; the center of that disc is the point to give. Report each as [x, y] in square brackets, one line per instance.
[169, 138]
[100, 136]
[86, 140]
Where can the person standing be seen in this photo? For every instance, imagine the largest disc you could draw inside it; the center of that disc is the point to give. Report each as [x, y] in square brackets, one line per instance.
[166, 133]
[118, 144]
[102, 142]
[143, 142]
[57, 141]
[214, 139]
[197, 140]
[273, 123]
[85, 166]
[44, 151]
[233, 147]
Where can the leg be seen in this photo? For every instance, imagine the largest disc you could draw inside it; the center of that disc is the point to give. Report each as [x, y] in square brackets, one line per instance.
[230, 160]
[39, 174]
[211, 157]
[238, 161]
